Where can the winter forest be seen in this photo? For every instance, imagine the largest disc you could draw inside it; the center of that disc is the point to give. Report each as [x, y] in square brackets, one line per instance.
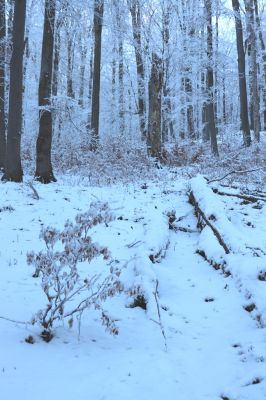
[132, 199]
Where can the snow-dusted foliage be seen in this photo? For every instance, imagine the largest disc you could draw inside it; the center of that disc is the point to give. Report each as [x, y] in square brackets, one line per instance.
[70, 293]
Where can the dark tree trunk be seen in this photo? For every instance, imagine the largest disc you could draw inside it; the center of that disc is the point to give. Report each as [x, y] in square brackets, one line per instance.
[2, 85]
[135, 11]
[210, 89]
[95, 108]
[13, 168]
[70, 63]
[242, 75]
[57, 43]
[44, 171]
[154, 140]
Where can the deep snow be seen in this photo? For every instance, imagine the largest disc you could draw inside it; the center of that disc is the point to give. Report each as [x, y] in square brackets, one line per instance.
[212, 349]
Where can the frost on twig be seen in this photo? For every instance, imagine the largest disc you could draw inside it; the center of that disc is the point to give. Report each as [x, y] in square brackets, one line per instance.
[67, 292]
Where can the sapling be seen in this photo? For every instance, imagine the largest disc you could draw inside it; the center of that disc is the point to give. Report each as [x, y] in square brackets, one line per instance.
[68, 293]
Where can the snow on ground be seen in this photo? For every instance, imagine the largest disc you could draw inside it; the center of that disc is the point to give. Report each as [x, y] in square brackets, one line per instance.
[201, 345]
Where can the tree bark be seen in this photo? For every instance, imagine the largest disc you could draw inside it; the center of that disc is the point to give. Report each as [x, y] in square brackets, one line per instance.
[242, 75]
[70, 64]
[167, 121]
[154, 140]
[95, 109]
[2, 84]
[13, 168]
[135, 11]
[44, 170]
[263, 68]
[210, 87]
[253, 68]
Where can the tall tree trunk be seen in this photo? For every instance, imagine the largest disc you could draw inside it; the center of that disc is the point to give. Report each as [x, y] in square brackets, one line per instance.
[241, 75]
[95, 109]
[135, 11]
[83, 56]
[253, 68]
[57, 44]
[44, 171]
[210, 89]
[70, 63]
[167, 121]
[263, 59]
[13, 168]
[154, 139]
[2, 84]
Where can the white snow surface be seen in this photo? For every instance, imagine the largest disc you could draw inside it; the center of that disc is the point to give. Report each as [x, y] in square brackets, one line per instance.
[201, 345]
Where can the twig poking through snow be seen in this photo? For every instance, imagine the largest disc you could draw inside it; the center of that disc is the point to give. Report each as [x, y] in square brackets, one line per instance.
[156, 296]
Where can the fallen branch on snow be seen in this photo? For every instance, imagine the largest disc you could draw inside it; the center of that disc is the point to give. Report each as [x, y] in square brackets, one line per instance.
[202, 217]
[249, 198]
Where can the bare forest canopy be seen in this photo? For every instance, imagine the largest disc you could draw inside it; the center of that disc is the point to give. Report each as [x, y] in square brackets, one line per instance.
[140, 74]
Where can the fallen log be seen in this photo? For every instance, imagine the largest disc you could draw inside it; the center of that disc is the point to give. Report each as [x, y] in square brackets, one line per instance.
[202, 217]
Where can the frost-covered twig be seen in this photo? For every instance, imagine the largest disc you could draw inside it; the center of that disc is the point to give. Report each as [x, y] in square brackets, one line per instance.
[15, 321]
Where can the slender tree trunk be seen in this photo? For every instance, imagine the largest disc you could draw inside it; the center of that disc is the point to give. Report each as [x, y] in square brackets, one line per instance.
[242, 75]
[44, 171]
[253, 68]
[83, 56]
[13, 168]
[135, 11]
[210, 104]
[154, 140]
[167, 122]
[2, 84]
[263, 67]
[70, 63]
[95, 110]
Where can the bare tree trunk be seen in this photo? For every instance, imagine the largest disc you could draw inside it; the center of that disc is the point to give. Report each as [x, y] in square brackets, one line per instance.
[135, 10]
[2, 84]
[263, 59]
[56, 57]
[13, 168]
[154, 140]
[44, 171]
[242, 75]
[70, 63]
[83, 56]
[210, 104]
[95, 110]
[253, 67]
[167, 122]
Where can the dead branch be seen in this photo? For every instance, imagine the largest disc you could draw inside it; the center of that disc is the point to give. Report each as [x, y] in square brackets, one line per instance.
[249, 198]
[202, 217]
[235, 172]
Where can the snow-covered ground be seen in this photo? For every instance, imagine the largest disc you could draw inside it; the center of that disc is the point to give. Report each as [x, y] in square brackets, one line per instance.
[194, 341]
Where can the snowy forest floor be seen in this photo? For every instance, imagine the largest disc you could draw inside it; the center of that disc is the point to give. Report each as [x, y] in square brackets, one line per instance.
[199, 344]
